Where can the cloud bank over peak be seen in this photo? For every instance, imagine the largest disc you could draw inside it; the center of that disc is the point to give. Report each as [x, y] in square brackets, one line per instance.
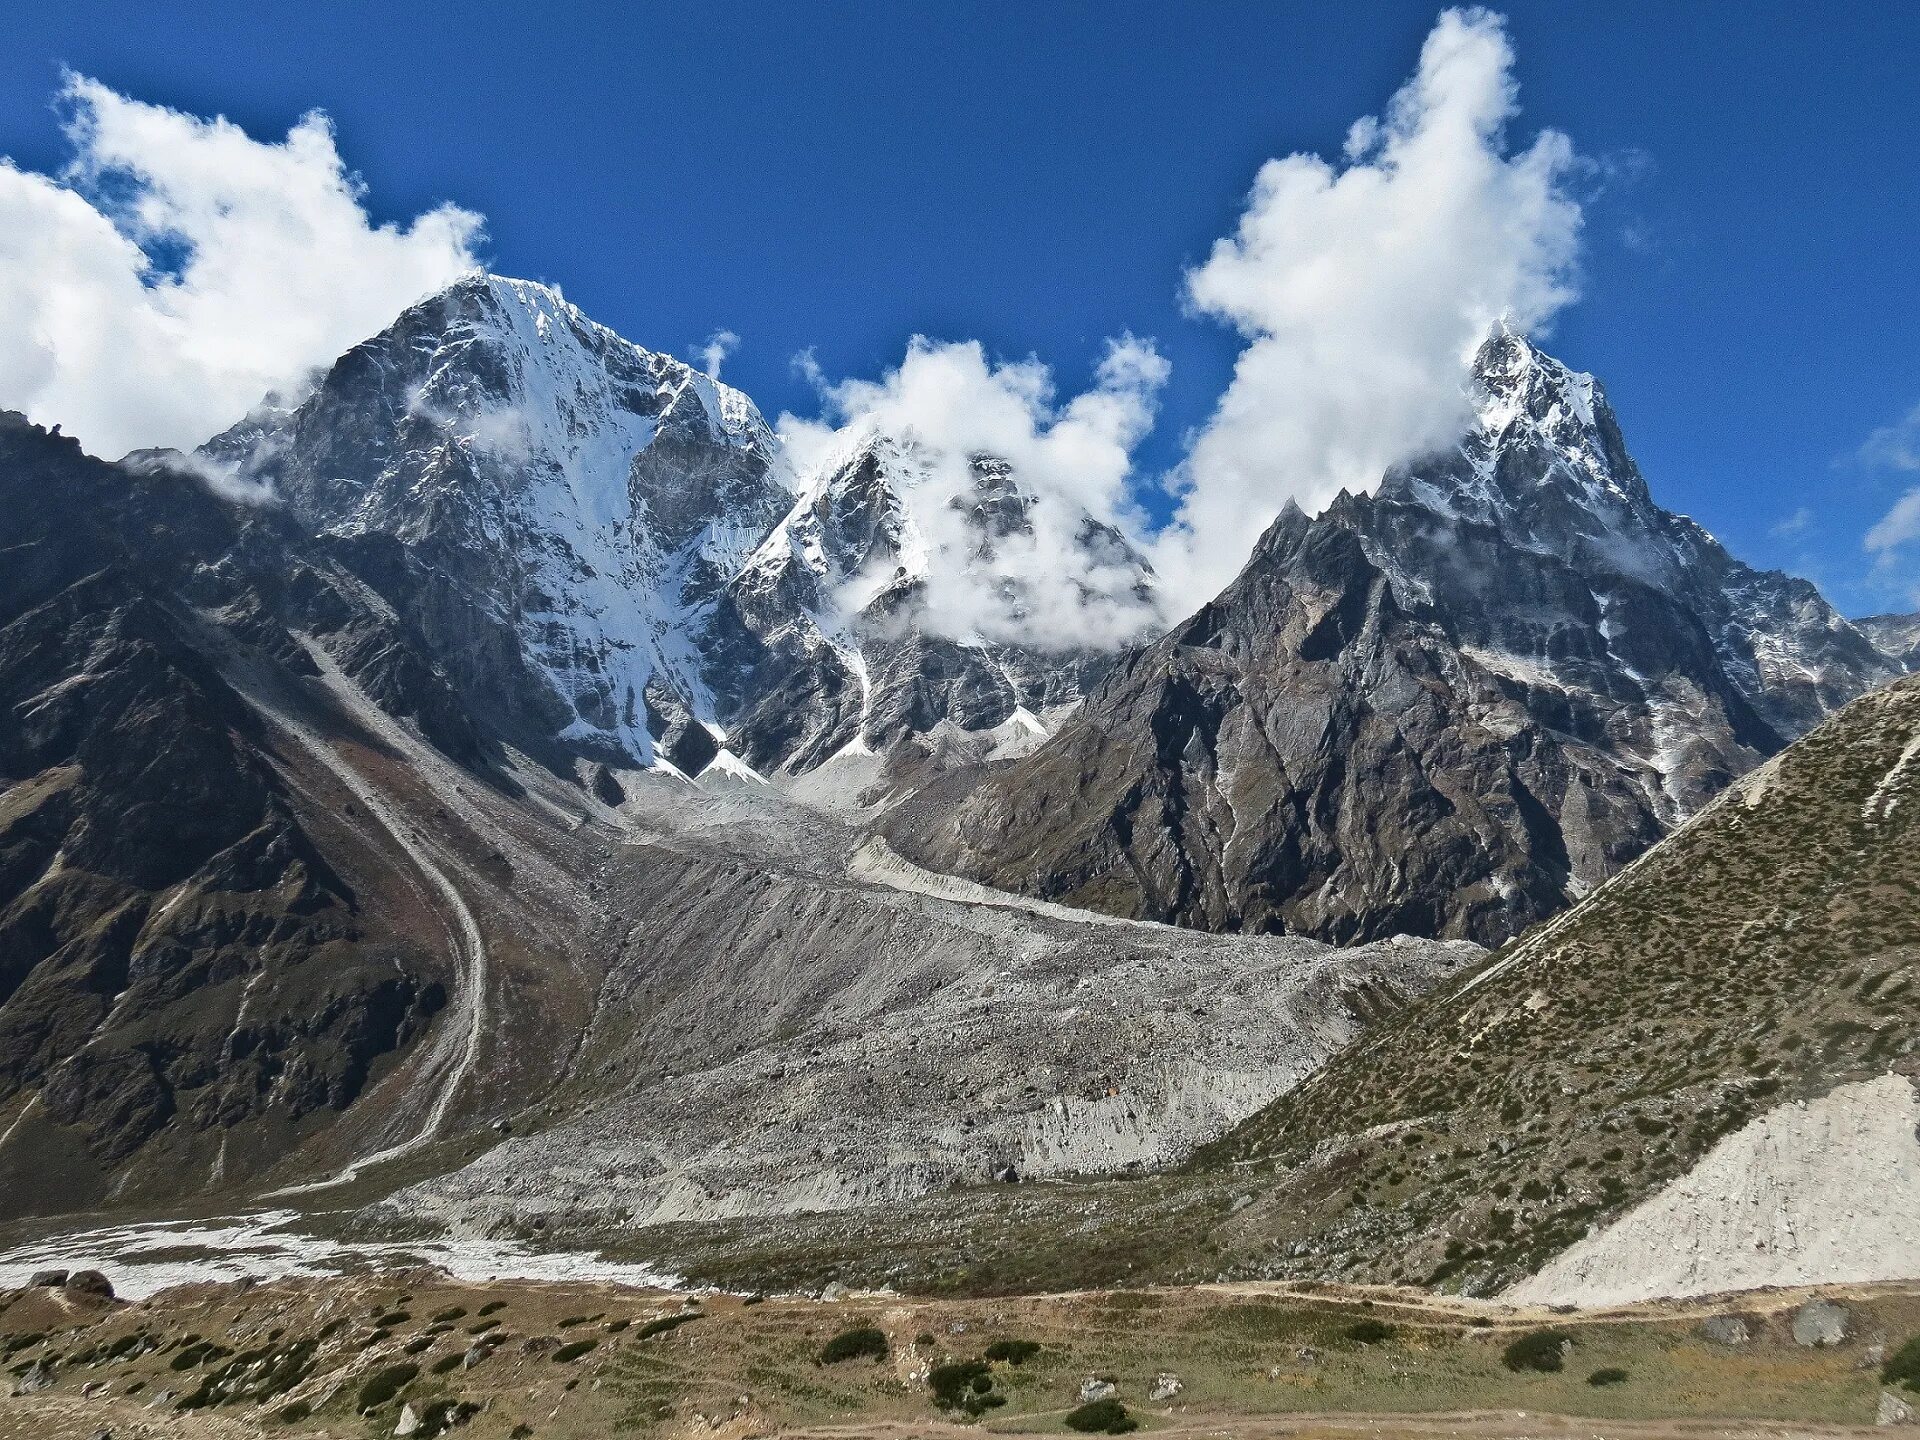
[177, 270]
[1363, 287]
[949, 402]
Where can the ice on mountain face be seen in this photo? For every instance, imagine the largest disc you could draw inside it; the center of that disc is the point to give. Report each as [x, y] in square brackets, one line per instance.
[612, 549]
[594, 495]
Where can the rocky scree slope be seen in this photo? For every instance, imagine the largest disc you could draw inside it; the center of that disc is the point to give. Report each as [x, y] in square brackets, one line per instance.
[780, 1032]
[1451, 708]
[610, 552]
[1550, 1108]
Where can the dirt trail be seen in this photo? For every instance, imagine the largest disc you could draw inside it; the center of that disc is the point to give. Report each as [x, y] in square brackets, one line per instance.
[1471, 1425]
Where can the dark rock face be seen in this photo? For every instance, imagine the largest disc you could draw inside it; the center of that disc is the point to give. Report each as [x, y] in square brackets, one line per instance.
[1896, 636]
[176, 953]
[1450, 708]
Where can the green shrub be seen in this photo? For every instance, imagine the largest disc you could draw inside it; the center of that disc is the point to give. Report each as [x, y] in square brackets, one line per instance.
[1369, 1331]
[447, 1364]
[417, 1344]
[853, 1344]
[391, 1319]
[293, 1412]
[953, 1383]
[1903, 1366]
[452, 1312]
[663, 1325]
[1609, 1375]
[1013, 1352]
[614, 1327]
[492, 1306]
[1108, 1417]
[573, 1350]
[384, 1384]
[1536, 1350]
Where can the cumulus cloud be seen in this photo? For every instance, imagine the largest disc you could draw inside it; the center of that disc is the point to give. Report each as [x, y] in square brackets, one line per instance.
[1363, 287]
[178, 270]
[714, 353]
[1051, 583]
[1894, 447]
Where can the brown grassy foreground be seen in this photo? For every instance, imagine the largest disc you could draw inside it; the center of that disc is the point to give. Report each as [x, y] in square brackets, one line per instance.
[344, 1358]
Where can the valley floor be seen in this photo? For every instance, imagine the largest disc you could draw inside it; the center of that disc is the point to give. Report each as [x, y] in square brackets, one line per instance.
[419, 1353]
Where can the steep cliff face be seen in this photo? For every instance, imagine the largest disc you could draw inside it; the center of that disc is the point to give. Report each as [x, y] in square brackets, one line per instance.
[187, 977]
[1450, 708]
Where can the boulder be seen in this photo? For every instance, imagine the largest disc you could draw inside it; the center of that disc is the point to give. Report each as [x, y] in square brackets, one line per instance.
[1095, 1388]
[39, 1377]
[91, 1283]
[1165, 1386]
[1726, 1330]
[1819, 1323]
[409, 1421]
[1893, 1410]
[48, 1277]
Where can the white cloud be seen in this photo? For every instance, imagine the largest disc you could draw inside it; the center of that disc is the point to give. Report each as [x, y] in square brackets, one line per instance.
[1895, 446]
[1898, 526]
[951, 403]
[1362, 289]
[714, 353]
[1798, 523]
[269, 267]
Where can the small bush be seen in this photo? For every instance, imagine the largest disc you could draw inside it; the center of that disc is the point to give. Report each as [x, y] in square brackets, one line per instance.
[452, 1312]
[953, 1382]
[573, 1350]
[383, 1385]
[293, 1412]
[854, 1344]
[492, 1306]
[1013, 1352]
[614, 1327]
[1102, 1417]
[662, 1325]
[1610, 1375]
[1903, 1366]
[571, 1321]
[391, 1319]
[1369, 1331]
[1536, 1350]
[417, 1344]
[447, 1364]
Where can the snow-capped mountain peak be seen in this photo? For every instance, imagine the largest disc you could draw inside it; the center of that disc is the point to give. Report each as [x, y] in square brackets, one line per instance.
[615, 550]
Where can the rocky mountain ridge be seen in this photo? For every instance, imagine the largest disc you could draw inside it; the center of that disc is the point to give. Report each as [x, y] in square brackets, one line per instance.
[613, 553]
[1450, 707]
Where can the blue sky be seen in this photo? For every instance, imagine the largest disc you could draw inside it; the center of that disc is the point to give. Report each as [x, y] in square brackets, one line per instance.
[838, 177]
